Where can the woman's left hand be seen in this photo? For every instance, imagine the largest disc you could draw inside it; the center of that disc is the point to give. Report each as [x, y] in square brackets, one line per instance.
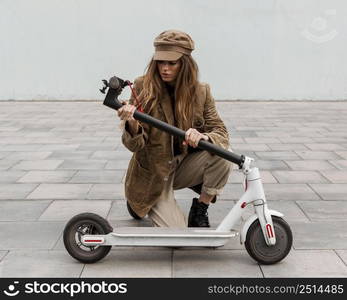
[193, 137]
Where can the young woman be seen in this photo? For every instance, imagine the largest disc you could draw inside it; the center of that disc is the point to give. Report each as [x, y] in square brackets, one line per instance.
[170, 91]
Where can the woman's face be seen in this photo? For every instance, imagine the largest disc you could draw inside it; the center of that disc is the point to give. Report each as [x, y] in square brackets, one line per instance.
[168, 70]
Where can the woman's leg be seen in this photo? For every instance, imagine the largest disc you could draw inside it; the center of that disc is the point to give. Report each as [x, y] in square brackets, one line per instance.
[202, 167]
[209, 171]
[166, 212]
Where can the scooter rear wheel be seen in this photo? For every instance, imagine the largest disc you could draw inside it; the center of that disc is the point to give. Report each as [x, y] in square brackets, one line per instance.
[258, 249]
[79, 225]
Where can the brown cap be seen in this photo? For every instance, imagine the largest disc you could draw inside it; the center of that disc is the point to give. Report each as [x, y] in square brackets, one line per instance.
[172, 44]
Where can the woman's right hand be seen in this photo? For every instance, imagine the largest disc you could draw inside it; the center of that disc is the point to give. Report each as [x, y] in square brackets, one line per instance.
[126, 112]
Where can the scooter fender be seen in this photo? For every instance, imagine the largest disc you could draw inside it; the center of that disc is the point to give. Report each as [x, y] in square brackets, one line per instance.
[251, 219]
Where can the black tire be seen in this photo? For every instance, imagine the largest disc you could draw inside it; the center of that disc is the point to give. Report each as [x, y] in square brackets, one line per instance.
[132, 213]
[86, 223]
[258, 249]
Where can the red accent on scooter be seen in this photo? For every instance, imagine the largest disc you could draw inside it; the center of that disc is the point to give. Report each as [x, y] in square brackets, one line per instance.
[243, 205]
[137, 101]
[269, 231]
[93, 241]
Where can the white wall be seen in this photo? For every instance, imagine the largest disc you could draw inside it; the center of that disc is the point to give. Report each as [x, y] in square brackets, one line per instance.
[246, 49]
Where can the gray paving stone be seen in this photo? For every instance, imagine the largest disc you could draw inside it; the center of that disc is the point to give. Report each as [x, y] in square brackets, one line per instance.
[9, 191]
[47, 176]
[262, 140]
[331, 191]
[15, 140]
[296, 140]
[10, 176]
[9, 128]
[112, 155]
[22, 210]
[66, 128]
[4, 154]
[292, 191]
[7, 164]
[98, 176]
[307, 263]
[244, 133]
[60, 191]
[3, 254]
[52, 263]
[27, 155]
[98, 147]
[340, 164]
[324, 210]
[343, 255]
[270, 165]
[117, 164]
[324, 147]
[20, 147]
[249, 147]
[64, 210]
[214, 263]
[310, 165]
[34, 134]
[83, 164]
[277, 155]
[270, 133]
[135, 263]
[70, 155]
[317, 155]
[343, 154]
[37, 165]
[299, 177]
[320, 235]
[29, 235]
[336, 176]
[286, 147]
[331, 140]
[113, 191]
[59, 147]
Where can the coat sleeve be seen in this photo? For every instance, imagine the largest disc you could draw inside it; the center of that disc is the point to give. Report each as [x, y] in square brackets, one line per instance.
[134, 142]
[214, 126]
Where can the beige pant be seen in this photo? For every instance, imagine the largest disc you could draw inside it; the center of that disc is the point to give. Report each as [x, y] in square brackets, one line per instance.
[193, 169]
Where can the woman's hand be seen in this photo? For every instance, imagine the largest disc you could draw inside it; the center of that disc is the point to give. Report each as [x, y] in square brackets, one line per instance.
[193, 137]
[126, 112]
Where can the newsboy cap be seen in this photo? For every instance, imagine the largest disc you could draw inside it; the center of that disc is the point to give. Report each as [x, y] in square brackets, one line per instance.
[172, 44]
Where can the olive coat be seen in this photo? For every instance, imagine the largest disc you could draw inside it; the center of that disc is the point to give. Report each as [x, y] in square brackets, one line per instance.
[152, 149]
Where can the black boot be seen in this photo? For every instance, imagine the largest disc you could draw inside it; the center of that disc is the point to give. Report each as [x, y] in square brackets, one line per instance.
[198, 216]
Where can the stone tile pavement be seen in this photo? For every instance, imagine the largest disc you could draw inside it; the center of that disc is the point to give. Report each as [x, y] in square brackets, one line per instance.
[58, 159]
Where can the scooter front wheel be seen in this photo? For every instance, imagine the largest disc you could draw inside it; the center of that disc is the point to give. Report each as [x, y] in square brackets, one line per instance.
[82, 224]
[258, 249]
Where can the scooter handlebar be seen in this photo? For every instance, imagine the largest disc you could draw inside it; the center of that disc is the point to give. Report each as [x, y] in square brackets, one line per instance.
[115, 86]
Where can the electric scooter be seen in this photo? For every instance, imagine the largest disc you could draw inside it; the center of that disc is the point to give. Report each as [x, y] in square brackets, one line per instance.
[266, 235]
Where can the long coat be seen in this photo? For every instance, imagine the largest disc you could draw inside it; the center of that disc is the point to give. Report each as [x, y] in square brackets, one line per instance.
[152, 149]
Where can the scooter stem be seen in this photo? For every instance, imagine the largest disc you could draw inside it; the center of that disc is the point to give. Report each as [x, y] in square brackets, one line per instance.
[111, 100]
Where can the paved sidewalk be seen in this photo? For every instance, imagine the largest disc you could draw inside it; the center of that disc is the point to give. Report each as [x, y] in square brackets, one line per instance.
[58, 159]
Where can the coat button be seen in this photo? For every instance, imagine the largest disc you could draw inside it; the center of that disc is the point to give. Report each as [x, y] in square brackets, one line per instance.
[166, 178]
[170, 162]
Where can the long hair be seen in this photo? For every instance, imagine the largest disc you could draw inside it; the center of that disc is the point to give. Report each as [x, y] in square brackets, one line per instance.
[185, 90]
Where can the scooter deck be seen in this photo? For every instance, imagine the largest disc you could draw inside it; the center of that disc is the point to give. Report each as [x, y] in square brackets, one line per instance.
[159, 236]
[160, 231]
